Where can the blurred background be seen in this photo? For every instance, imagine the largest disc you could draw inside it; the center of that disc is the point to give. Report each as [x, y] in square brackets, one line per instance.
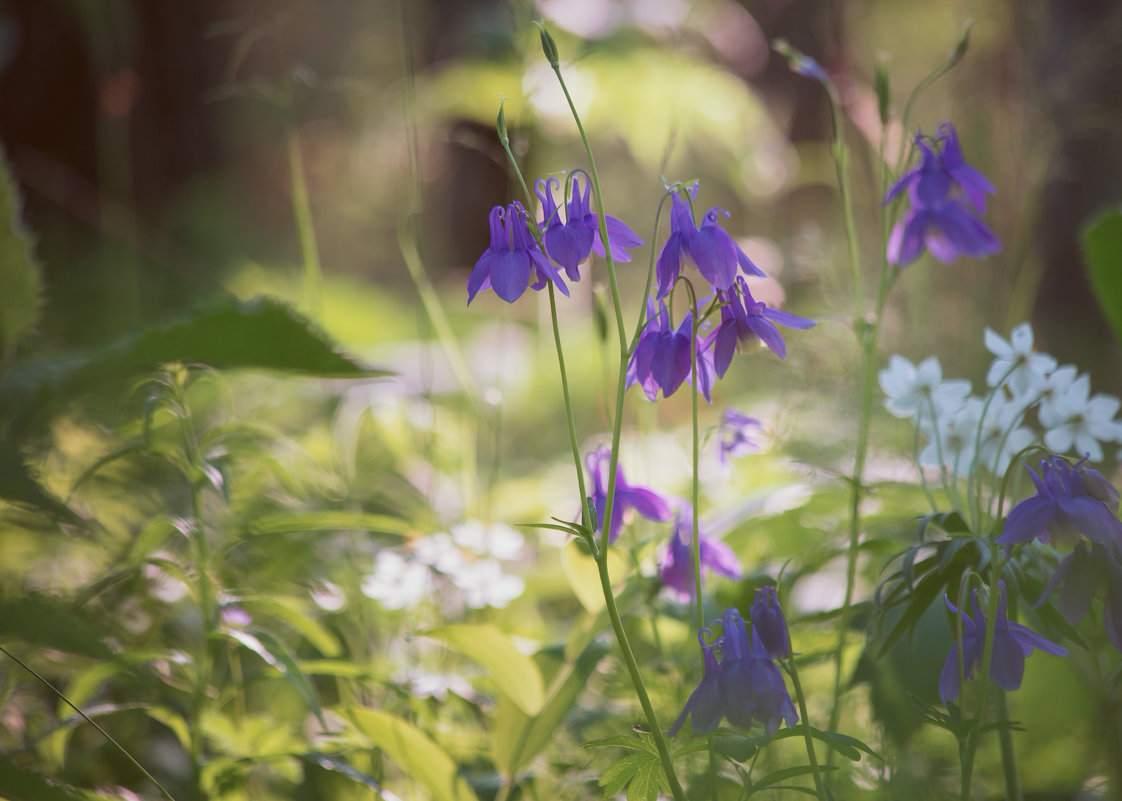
[152, 144]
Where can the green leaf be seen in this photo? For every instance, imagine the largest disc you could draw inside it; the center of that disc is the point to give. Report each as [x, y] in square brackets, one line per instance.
[261, 333]
[515, 673]
[414, 752]
[274, 654]
[17, 483]
[330, 521]
[641, 773]
[518, 737]
[42, 622]
[20, 281]
[17, 784]
[295, 615]
[1102, 250]
[783, 774]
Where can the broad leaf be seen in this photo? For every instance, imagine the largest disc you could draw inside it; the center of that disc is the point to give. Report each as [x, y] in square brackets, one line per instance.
[423, 760]
[1102, 249]
[46, 623]
[515, 673]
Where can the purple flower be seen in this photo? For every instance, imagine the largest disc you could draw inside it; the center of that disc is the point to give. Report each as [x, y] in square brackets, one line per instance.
[512, 258]
[569, 243]
[709, 248]
[768, 621]
[736, 434]
[677, 566]
[1012, 642]
[1071, 502]
[661, 359]
[745, 685]
[746, 321]
[1074, 505]
[945, 193]
[647, 502]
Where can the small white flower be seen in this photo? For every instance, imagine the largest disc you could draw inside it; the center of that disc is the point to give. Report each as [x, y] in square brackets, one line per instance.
[396, 581]
[1002, 436]
[496, 540]
[1015, 363]
[484, 583]
[423, 684]
[954, 438]
[328, 596]
[1076, 421]
[914, 390]
[439, 552]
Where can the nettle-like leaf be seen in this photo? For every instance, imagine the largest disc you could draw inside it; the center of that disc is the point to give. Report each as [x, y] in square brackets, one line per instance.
[20, 281]
[1102, 250]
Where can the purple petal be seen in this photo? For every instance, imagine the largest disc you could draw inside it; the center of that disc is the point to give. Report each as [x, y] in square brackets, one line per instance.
[1027, 520]
[788, 319]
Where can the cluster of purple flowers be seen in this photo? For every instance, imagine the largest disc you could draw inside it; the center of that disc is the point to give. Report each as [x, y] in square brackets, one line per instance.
[946, 196]
[1075, 506]
[514, 256]
[741, 680]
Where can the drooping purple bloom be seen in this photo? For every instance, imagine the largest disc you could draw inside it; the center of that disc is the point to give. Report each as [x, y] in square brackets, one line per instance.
[709, 248]
[647, 502]
[768, 621]
[745, 685]
[677, 565]
[569, 243]
[1075, 505]
[746, 321]
[1012, 642]
[1071, 502]
[736, 435]
[661, 359]
[946, 193]
[512, 258]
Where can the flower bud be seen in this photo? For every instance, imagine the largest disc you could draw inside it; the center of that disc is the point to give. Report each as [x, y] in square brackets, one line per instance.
[500, 124]
[767, 619]
[549, 47]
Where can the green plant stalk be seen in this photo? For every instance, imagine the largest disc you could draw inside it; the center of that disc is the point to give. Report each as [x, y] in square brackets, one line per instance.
[1008, 753]
[88, 720]
[617, 427]
[695, 487]
[808, 739]
[305, 228]
[971, 750]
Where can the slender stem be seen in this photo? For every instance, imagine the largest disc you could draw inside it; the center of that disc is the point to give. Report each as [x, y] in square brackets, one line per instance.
[808, 739]
[88, 720]
[573, 444]
[1008, 754]
[695, 489]
[975, 733]
[305, 228]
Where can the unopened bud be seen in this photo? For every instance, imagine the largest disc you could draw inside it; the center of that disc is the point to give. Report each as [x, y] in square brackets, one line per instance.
[500, 124]
[549, 47]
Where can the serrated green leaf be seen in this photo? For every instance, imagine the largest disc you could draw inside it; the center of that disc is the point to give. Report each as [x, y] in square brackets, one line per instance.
[44, 622]
[20, 281]
[262, 333]
[516, 675]
[422, 759]
[620, 773]
[1102, 250]
[632, 742]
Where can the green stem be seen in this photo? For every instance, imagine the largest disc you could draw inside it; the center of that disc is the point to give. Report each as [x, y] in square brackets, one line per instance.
[808, 739]
[305, 228]
[695, 489]
[984, 678]
[569, 419]
[1008, 754]
[88, 720]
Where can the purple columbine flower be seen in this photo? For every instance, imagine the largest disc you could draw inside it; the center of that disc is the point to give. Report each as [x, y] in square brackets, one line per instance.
[709, 248]
[569, 243]
[745, 685]
[661, 359]
[1071, 502]
[945, 193]
[746, 322]
[647, 502]
[512, 258]
[1012, 642]
[735, 433]
[768, 621]
[1075, 505]
[677, 565]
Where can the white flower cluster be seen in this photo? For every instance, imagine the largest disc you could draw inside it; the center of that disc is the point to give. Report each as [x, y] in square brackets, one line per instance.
[463, 564]
[963, 431]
